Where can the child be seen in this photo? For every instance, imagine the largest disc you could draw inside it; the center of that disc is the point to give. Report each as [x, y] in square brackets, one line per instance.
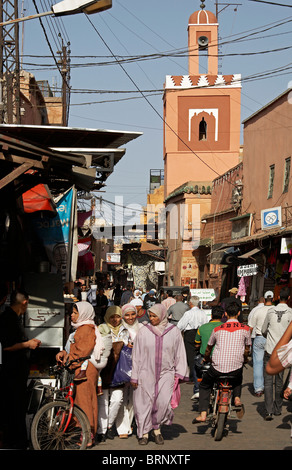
[81, 376]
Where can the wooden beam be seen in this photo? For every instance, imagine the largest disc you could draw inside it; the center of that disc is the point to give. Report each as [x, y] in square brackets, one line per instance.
[15, 173]
[20, 160]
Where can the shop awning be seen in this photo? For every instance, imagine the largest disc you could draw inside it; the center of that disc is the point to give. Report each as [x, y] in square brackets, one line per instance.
[38, 198]
[70, 137]
[226, 256]
[261, 235]
[61, 156]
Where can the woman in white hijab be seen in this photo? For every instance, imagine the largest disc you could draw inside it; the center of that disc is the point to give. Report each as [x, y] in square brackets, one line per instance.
[126, 412]
[85, 341]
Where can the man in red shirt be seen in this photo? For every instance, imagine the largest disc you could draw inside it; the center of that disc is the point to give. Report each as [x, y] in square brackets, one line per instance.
[231, 342]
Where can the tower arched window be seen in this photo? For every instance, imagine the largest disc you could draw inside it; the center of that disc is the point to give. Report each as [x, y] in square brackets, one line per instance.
[203, 130]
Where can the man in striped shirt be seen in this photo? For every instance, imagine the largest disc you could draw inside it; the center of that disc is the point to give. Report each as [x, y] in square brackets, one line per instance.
[231, 342]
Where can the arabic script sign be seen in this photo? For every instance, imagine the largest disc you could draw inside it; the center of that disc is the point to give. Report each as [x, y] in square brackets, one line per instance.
[247, 270]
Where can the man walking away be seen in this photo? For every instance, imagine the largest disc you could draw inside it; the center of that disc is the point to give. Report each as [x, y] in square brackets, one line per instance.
[274, 326]
[201, 341]
[261, 303]
[189, 324]
[176, 311]
[230, 300]
[259, 343]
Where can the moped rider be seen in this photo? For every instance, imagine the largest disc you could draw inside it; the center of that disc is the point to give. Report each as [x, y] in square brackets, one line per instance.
[231, 342]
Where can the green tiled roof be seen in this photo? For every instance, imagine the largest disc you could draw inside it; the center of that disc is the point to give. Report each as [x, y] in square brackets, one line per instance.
[191, 188]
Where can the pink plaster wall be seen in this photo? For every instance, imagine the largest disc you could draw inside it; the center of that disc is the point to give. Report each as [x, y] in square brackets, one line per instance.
[267, 141]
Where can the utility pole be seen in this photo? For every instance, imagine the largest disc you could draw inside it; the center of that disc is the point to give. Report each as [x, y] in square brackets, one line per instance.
[65, 73]
[9, 63]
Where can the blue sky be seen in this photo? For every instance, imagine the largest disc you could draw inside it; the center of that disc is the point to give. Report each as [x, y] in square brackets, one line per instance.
[135, 28]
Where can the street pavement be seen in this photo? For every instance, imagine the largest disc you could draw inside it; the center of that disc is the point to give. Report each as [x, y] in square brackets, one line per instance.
[252, 433]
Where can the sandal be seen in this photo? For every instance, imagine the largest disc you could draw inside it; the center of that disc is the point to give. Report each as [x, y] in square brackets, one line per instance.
[143, 441]
[158, 439]
[239, 411]
[198, 420]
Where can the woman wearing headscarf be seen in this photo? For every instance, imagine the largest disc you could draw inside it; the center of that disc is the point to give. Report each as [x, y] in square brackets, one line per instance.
[158, 359]
[126, 412]
[84, 341]
[110, 401]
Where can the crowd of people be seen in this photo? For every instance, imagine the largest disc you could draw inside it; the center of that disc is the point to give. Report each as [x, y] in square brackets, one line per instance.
[141, 346]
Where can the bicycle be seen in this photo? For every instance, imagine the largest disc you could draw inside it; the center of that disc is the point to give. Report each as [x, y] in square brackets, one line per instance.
[59, 424]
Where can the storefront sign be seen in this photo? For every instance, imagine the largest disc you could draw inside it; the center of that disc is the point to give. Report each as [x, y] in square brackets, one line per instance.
[247, 270]
[189, 266]
[205, 295]
[271, 218]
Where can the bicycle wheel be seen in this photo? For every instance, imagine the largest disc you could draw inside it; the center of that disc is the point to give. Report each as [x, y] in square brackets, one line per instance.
[47, 429]
[219, 429]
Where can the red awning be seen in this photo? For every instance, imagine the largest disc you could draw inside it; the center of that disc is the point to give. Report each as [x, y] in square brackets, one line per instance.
[38, 198]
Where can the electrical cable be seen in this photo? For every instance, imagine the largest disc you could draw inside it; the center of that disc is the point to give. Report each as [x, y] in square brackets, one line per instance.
[145, 97]
[272, 3]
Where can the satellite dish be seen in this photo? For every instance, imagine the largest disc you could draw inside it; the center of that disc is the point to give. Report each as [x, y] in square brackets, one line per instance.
[203, 42]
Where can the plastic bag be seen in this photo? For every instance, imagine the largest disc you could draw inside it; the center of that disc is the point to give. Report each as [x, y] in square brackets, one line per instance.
[176, 394]
[122, 373]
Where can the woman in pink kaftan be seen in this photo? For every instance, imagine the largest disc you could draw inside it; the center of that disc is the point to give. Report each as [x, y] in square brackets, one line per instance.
[159, 359]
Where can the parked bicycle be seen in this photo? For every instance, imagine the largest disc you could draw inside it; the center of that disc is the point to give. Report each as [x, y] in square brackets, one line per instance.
[59, 424]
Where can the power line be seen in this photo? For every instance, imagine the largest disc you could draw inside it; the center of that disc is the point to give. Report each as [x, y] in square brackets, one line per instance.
[272, 3]
[149, 103]
[179, 52]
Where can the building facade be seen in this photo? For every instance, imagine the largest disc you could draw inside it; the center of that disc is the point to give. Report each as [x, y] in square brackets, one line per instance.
[252, 238]
[201, 142]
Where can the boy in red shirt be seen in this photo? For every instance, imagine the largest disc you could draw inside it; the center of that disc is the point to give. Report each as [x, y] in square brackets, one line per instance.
[231, 342]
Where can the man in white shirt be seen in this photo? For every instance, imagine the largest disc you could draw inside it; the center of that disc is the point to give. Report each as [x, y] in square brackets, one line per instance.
[255, 322]
[261, 303]
[188, 324]
[275, 324]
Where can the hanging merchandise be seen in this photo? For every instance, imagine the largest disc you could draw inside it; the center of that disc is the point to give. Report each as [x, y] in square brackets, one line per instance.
[242, 287]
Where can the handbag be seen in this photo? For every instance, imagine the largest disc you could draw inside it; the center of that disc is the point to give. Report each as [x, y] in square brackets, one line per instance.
[107, 373]
[122, 373]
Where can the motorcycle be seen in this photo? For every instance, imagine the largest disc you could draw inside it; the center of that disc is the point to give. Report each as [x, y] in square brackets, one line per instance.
[220, 406]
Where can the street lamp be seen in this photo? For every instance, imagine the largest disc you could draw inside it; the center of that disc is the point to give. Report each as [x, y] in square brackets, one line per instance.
[69, 7]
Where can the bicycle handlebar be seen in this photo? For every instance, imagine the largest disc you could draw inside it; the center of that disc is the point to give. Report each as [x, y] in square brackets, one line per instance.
[59, 367]
[79, 359]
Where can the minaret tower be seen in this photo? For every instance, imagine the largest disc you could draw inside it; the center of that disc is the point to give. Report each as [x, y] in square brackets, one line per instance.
[201, 111]
[203, 42]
